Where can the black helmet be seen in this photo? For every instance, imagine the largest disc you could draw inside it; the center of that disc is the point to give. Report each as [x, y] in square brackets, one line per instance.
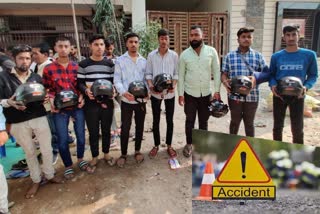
[30, 92]
[65, 98]
[241, 85]
[139, 90]
[102, 90]
[162, 82]
[290, 86]
[217, 108]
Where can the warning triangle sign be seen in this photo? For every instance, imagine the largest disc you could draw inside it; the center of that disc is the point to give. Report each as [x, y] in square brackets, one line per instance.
[243, 167]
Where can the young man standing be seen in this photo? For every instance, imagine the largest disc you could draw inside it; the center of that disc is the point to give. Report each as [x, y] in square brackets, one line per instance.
[93, 68]
[62, 75]
[3, 181]
[246, 62]
[297, 62]
[27, 120]
[130, 67]
[74, 54]
[162, 60]
[197, 65]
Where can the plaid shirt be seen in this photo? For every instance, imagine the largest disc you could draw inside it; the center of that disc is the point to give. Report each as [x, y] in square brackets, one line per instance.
[56, 78]
[233, 65]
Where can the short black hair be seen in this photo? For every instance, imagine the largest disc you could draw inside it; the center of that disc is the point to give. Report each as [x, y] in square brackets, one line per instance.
[130, 35]
[44, 48]
[109, 42]
[20, 49]
[163, 32]
[62, 38]
[96, 37]
[2, 50]
[290, 28]
[193, 27]
[244, 30]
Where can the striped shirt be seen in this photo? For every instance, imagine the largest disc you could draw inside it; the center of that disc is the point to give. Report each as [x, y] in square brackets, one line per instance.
[90, 71]
[127, 71]
[156, 64]
[234, 65]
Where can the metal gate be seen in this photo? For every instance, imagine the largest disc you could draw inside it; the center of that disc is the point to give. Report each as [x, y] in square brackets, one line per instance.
[32, 30]
[214, 26]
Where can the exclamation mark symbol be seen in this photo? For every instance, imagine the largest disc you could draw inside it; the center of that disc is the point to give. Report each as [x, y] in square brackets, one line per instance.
[243, 156]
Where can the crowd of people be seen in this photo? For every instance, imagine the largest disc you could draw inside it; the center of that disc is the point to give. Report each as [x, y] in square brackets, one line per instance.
[190, 73]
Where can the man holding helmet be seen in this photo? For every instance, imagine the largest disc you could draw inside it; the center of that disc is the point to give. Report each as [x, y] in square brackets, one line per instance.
[60, 77]
[99, 104]
[25, 120]
[239, 71]
[130, 67]
[285, 64]
[162, 63]
[197, 65]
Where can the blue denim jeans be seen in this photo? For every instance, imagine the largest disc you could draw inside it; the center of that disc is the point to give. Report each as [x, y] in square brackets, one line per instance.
[61, 121]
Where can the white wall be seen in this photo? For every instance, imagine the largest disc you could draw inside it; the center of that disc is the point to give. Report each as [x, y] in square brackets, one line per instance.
[139, 13]
[237, 19]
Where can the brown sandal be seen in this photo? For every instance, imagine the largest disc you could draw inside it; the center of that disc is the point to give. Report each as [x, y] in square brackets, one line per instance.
[171, 152]
[153, 152]
[137, 155]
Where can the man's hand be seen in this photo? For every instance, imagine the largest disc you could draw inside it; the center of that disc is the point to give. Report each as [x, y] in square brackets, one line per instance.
[53, 108]
[217, 96]
[153, 91]
[304, 92]
[171, 90]
[46, 98]
[253, 80]
[3, 137]
[129, 96]
[181, 100]
[80, 101]
[226, 84]
[12, 102]
[89, 93]
[274, 91]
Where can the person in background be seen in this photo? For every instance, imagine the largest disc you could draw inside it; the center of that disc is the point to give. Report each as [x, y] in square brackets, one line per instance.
[74, 54]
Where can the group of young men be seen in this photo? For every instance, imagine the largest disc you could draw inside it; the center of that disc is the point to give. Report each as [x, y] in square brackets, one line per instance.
[191, 74]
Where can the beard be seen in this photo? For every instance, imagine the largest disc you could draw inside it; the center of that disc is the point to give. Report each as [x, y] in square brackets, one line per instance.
[22, 68]
[196, 43]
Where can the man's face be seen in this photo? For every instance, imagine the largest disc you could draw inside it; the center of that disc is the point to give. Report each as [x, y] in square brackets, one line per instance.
[164, 41]
[97, 47]
[23, 61]
[37, 56]
[62, 48]
[109, 50]
[245, 40]
[73, 50]
[133, 44]
[195, 35]
[291, 38]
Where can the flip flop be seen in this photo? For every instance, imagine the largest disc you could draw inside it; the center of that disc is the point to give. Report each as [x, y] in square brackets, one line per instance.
[17, 174]
[86, 167]
[69, 173]
[153, 152]
[121, 161]
[110, 161]
[137, 159]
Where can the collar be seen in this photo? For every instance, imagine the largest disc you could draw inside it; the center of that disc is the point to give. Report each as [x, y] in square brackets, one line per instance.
[126, 54]
[14, 71]
[249, 51]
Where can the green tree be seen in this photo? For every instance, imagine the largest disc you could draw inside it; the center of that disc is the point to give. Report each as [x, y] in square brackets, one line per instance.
[111, 26]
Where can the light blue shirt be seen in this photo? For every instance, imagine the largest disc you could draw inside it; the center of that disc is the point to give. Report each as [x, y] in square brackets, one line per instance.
[127, 71]
[168, 64]
[2, 120]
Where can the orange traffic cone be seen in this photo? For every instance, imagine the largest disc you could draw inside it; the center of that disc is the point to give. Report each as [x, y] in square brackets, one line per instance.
[206, 185]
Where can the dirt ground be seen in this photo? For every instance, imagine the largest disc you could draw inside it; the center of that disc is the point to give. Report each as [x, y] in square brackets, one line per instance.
[149, 188]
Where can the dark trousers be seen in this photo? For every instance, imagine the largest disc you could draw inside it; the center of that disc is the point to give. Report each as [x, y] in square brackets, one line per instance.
[126, 119]
[242, 110]
[96, 117]
[156, 111]
[296, 116]
[194, 105]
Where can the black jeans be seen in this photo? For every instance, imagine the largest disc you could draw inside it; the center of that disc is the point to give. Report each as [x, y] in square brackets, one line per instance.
[191, 107]
[296, 116]
[242, 110]
[156, 111]
[126, 119]
[96, 115]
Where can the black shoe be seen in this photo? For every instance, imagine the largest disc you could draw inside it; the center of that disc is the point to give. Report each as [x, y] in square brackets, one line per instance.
[21, 165]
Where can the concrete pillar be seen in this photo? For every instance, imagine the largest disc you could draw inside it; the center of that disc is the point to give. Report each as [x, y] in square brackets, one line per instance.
[139, 16]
